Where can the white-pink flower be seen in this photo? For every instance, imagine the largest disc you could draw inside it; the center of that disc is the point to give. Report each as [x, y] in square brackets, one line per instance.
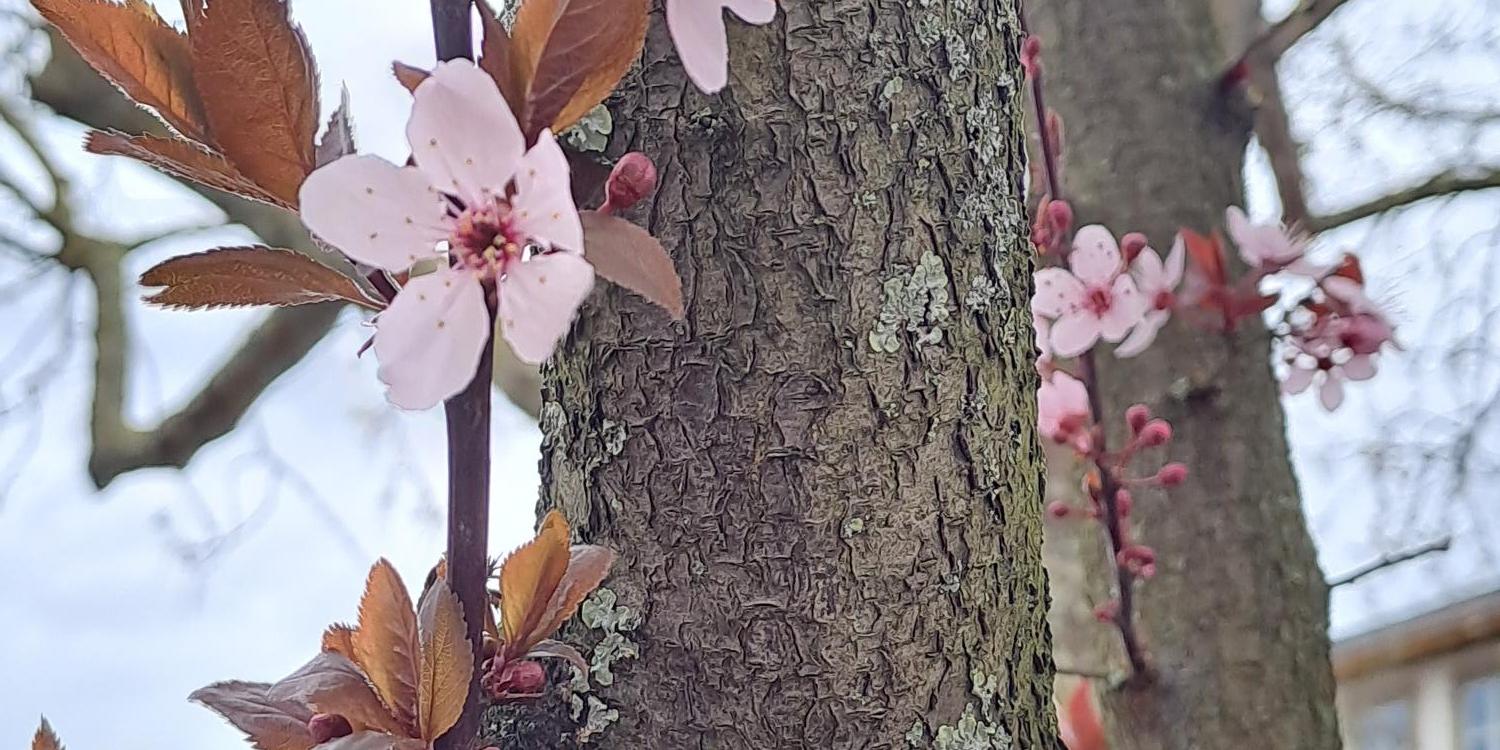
[1095, 300]
[1062, 408]
[697, 28]
[498, 219]
[1157, 283]
[1307, 367]
[1268, 247]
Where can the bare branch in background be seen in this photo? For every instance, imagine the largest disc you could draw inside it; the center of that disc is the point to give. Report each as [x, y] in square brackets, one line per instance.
[1303, 19]
[1444, 185]
[1273, 128]
[1391, 560]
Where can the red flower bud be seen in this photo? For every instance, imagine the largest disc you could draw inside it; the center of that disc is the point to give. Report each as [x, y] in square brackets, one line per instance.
[1156, 432]
[1132, 244]
[1123, 502]
[1136, 558]
[1137, 416]
[1031, 54]
[1172, 475]
[513, 679]
[633, 178]
[1058, 509]
[325, 727]
[1108, 611]
[1060, 213]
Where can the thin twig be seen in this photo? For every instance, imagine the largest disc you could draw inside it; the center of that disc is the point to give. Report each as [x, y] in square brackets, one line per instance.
[1124, 580]
[1391, 560]
[1443, 185]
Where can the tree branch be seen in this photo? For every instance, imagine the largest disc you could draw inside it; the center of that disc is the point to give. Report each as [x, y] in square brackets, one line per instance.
[1283, 34]
[1273, 128]
[1445, 184]
[1397, 558]
[72, 89]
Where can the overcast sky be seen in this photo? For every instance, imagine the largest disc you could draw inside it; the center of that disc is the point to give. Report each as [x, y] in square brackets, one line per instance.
[118, 604]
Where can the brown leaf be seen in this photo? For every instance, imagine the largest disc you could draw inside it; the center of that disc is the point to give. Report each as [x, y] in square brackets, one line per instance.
[270, 725]
[447, 661]
[386, 645]
[530, 577]
[495, 58]
[260, 91]
[45, 738]
[338, 138]
[372, 741]
[131, 46]
[181, 158]
[332, 684]
[339, 639]
[587, 566]
[572, 53]
[409, 76]
[241, 276]
[629, 256]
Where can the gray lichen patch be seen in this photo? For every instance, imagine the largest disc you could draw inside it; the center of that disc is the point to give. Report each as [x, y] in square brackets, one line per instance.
[602, 611]
[982, 294]
[592, 132]
[970, 733]
[917, 303]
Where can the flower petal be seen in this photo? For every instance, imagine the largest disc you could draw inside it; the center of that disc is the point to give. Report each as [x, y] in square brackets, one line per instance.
[1240, 231]
[1057, 293]
[697, 28]
[1359, 367]
[1074, 333]
[1142, 334]
[1174, 266]
[1297, 380]
[1331, 395]
[1147, 270]
[1125, 310]
[752, 11]
[1095, 259]
[374, 211]
[538, 299]
[462, 133]
[430, 339]
[544, 199]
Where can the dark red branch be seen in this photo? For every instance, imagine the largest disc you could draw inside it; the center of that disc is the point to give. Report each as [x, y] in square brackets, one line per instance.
[468, 416]
[1109, 487]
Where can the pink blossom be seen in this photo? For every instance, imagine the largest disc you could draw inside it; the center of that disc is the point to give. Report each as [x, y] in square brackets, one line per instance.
[1157, 282]
[1095, 300]
[1268, 247]
[697, 28]
[497, 218]
[1363, 327]
[1063, 410]
[1315, 362]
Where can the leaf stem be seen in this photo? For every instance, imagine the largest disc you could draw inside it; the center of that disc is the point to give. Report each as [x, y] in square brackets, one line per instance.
[468, 416]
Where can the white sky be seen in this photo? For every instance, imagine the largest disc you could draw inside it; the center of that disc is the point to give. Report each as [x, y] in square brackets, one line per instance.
[115, 605]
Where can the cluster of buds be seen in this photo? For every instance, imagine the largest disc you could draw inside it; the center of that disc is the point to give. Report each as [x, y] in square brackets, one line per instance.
[1112, 497]
[511, 680]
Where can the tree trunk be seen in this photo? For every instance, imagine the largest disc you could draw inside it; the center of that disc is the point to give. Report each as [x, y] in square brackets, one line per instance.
[1235, 620]
[825, 483]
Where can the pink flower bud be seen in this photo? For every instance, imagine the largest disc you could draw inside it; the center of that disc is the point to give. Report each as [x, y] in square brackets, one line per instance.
[1059, 509]
[1132, 244]
[516, 678]
[633, 178]
[1123, 502]
[1172, 475]
[325, 727]
[1137, 416]
[1031, 54]
[1060, 213]
[1107, 612]
[1147, 571]
[1156, 433]
[1136, 558]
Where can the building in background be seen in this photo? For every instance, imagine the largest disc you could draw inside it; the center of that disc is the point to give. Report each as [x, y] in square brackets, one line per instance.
[1431, 682]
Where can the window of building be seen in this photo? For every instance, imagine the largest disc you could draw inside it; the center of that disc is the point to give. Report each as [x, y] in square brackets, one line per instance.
[1479, 714]
[1387, 727]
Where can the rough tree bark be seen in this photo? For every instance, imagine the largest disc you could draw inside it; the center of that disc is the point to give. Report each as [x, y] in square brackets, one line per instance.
[824, 484]
[1236, 618]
